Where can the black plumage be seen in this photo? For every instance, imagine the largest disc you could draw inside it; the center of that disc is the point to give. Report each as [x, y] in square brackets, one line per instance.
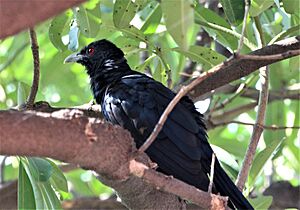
[135, 102]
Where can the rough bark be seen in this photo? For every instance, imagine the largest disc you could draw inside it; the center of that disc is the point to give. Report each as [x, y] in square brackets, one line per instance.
[242, 67]
[69, 136]
[16, 16]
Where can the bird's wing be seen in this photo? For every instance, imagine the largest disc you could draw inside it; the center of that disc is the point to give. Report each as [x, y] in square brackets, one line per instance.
[136, 103]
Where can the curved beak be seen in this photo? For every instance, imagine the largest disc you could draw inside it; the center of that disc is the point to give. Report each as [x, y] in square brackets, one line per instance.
[75, 57]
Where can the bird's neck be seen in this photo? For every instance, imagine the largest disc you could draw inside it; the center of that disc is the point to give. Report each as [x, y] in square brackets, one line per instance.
[106, 74]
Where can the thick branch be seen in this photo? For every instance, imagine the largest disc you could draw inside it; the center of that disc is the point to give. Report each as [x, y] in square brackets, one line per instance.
[16, 16]
[69, 136]
[242, 67]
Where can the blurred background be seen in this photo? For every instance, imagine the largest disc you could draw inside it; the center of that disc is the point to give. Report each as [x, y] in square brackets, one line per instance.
[173, 48]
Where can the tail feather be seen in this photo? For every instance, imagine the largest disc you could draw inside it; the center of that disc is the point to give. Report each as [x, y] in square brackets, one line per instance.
[226, 187]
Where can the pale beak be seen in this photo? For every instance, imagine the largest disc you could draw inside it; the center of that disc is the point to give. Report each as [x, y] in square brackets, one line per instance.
[75, 57]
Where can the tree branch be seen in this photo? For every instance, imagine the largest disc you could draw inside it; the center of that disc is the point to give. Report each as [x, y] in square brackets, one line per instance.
[239, 68]
[268, 127]
[69, 136]
[16, 17]
[260, 117]
[241, 40]
[234, 65]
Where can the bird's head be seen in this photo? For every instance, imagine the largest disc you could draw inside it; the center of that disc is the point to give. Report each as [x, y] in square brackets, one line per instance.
[98, 56]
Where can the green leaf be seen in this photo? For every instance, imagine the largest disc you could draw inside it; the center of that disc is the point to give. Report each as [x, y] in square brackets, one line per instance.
[261, 202]
[294, 64]
[261, 158]
[283, 34]
[159, 73]
[225, 157]
[293, 137]
[128, 45]
[179, 15]
[259, 6]
[234, 11]
[57, 179]
[153, 19]
[206, 56]
[78, 185]
[49, 197]
[88, 24]
[146, 63]
[25, 192]
[291, 6]
[218, 28]
[40, 168]
[45, 197]
[124, 11]
[134, 33]
[18, 45]
[55, 31]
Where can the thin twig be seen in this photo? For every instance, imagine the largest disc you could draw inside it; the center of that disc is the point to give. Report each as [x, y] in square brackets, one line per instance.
[36, 69]
[241, 41]
[260, 117]
[270, 57]
[214, 106]
[212, 171]
[12, 57]
[269, 127]
[240, 90]
[182, 92]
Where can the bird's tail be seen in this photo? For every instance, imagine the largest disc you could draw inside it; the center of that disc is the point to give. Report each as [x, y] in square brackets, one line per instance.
[226, 187]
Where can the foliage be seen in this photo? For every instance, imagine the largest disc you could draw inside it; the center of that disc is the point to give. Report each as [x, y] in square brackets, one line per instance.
[166, 32]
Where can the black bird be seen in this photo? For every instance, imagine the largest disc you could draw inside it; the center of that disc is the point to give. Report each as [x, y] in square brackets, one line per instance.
[135, 102]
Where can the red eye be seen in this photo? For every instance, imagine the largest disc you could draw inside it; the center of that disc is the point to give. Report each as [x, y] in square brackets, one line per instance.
[91, 51]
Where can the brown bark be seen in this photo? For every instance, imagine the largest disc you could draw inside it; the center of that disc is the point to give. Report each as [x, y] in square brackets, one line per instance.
[239, 68]
[69, 136]
[16, 16]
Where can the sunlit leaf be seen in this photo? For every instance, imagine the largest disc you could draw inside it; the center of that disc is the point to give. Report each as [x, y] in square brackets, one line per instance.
[88, 24]
[134, 33]
[124, 11]
[153, 19]
[261, 158]
[18, 45]
[55, 31]
[159, 73]
[209, 16]
[206, 56]
[179, 15]
[78, 184]
[259, 6]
